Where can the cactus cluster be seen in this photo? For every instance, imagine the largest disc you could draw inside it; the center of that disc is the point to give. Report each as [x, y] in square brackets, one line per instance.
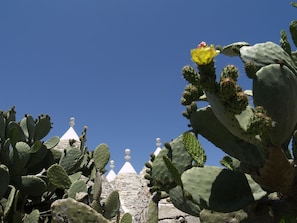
[259, 170]
[41, 183]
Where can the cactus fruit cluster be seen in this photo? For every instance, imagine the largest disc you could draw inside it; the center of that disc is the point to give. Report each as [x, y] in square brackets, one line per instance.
[257, 182]
[41, 183]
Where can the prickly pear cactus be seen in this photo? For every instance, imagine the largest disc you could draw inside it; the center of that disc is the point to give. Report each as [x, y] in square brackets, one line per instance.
[40, 183]
[257, 182]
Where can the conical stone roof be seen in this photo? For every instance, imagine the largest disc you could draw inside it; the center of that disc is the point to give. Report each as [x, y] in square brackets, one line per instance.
[70, 134]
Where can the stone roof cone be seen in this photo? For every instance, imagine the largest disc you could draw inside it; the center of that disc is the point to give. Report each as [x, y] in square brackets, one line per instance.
[111, 174]
[134, 195]
[68, 135]
[127, 167]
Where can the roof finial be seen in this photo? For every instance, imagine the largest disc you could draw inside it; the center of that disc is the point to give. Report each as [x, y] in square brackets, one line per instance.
[111, 164]
[71, 123]
[127, 157]
[158, 142]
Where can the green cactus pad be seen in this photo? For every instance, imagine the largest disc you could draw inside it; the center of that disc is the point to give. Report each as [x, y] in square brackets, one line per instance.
[275, 90]
[71, 159]
[126, 218]
[10, 115]
[112, 205]
[33, 217]
[77, 187]
[293, 31]
[43, 158]
[97, 188]
[263, 54]
[182, 161]
[236, 123]
[284, 42]
[74, 177]
[232, 49]
[36, 146]
[52, 142]
[179, 200]
[74, 211]
[2, 125]
[42, 127]
[194, 148]
[221, 189]
[10, 201]
[58, 176]
[153, 211]
[101, 156]
[19, 157]
[240, 216]
[16, 133]
[204, 122]
[5, 179]
[174, 172]
[30, 185]
[28, 126]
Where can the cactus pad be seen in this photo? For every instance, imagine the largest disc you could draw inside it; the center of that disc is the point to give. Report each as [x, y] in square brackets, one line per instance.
[263, 54]
[33, 217]
[232, 50]
[77, 187]
[31, 185]
[204, 122]
[160, 174]
[58, 176]
[275, 90]
[101, 156]
[126, 218]
[221, 189]
[179, 200]
[74, 211]
[5, 179]
[71, 159]
[112, 205]
[194, 148]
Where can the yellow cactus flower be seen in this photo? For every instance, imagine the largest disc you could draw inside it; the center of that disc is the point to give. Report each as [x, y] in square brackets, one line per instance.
[204, 54]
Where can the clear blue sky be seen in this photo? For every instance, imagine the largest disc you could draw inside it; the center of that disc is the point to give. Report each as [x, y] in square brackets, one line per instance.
[116, 65]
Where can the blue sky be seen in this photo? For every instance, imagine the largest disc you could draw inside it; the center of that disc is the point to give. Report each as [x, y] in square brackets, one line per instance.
[116, 65]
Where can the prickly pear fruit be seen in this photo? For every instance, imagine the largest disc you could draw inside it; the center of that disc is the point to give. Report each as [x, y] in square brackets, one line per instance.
[230, 71]
[190, 75]
[227, 88]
